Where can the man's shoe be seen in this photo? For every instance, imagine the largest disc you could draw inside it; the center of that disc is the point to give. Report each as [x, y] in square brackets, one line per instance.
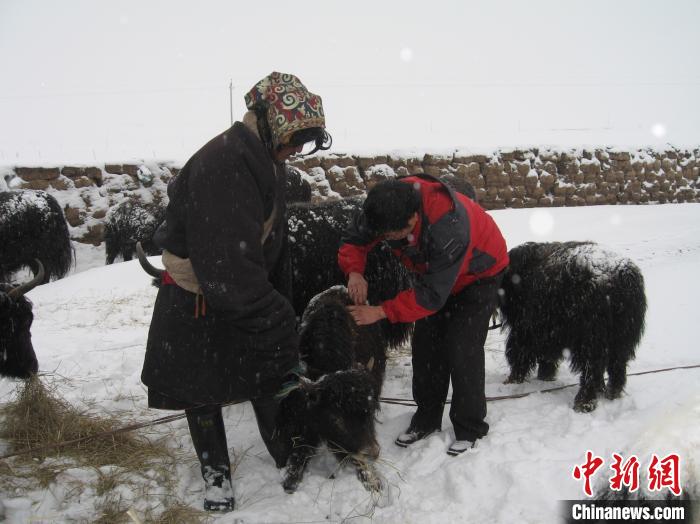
[413, 435]
[460, 446]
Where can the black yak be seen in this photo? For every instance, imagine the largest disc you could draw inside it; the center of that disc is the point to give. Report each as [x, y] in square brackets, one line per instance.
[131, 222]
[298, 189]
[33, 227]
[315, 232]
[338, 393]
[17, 357]
[572, 296]
[459, 184]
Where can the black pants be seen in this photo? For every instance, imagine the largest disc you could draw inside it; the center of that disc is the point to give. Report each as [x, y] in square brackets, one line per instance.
[450, 345]
[209, 435]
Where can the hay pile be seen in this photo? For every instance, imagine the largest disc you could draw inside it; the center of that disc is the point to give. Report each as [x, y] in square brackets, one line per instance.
[40, 420]
[53, 436]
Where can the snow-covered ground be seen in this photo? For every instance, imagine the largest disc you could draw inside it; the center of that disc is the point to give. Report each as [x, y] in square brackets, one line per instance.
[92, 328]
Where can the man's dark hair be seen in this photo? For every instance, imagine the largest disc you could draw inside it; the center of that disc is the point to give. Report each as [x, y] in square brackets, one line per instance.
[390, 205]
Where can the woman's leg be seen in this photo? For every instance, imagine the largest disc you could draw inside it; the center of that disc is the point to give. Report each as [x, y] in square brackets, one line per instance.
[209, 439]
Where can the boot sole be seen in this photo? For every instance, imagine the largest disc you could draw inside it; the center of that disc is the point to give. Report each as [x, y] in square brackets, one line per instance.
[219, 506]
[457, 452]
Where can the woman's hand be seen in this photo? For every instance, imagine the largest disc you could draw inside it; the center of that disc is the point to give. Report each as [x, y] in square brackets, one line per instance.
[357, 288]
[366, 315]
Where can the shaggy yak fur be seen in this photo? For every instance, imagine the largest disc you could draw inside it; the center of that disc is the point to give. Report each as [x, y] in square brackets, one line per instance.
[338, 393]
[572, 296]
[17, 357]
[32, 227]
[315, 232]
[459, 184]
[132, 222]
[298, 189]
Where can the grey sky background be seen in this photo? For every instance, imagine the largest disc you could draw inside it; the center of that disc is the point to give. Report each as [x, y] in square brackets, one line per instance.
[97, 80]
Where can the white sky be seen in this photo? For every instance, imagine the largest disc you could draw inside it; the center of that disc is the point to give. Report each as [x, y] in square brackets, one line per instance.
[98, 80]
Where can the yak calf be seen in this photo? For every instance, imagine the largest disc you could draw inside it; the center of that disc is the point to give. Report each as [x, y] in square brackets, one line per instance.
[337, 397]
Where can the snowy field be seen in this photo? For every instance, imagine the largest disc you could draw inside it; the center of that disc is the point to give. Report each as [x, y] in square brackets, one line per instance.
[91, 327]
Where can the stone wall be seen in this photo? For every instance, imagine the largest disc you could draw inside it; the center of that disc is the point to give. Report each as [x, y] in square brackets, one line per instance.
[532, 177]
[513, 178]
[87, 193]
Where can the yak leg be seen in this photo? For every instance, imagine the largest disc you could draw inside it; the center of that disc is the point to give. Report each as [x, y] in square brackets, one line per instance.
[547, 370]
[296, 465]
[367, 474]
[590, 384]
[617, 377]
[521, 359]
[128, 252]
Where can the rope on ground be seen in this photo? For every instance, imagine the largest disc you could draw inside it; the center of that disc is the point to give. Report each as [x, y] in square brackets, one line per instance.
[385, 400]
[408, 402]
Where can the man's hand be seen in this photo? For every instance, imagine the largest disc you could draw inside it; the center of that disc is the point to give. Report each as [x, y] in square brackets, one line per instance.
[366, 315]
[357, 288]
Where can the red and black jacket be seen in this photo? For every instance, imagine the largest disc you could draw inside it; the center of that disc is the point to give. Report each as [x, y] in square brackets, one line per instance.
[454, 243]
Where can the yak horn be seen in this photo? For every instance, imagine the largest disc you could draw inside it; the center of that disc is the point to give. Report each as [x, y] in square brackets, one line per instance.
[309, 385]
[305, 382]
[146, 265]
[20, 290]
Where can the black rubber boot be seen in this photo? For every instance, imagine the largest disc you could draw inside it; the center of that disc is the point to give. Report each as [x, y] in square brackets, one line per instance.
[209, 440]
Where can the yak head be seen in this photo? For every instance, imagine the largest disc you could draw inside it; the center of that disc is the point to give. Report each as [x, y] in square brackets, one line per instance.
[17, 357]
[344, 404]
[339, 408]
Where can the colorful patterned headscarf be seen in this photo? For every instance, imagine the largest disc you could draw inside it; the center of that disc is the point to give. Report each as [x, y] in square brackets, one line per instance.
[290, 107]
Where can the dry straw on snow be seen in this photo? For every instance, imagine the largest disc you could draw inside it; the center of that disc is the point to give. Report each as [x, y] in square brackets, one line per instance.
[56, 436]
[39, 419]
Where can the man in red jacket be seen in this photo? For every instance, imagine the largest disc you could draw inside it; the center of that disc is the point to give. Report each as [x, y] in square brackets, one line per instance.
[457, 255]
